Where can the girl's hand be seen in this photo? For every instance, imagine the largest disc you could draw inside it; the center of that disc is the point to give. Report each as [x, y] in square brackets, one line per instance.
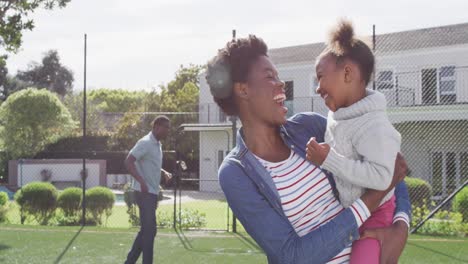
[315, 152]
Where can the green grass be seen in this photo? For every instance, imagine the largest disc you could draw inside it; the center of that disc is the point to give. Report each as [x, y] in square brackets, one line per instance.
[216, 212]
[34, 244]
[46, 244]
[426, 249]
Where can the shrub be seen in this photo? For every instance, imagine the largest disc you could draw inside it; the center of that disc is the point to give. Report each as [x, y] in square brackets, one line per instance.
[460, 204]
[129, 198]
[3, 206]
[70, 202]
[99, 202]
[444, 223]
[3, 198]
[38, 200]
[190, 218]
[420, 191]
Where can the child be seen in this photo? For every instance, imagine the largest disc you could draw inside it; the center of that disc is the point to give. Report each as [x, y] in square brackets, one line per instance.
[361, 143]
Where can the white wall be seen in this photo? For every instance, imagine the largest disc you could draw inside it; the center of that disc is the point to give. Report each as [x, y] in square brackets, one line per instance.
[408, 65]
[64, 172]
[210, 143]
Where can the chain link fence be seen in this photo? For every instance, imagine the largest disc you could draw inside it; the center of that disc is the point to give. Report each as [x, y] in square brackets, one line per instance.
[423, 74]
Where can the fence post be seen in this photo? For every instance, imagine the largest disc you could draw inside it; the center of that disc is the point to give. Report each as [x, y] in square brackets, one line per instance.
[83, 176]
[373, 49]
[234, 133]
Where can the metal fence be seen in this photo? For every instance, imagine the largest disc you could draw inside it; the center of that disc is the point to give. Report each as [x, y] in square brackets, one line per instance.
[423, 74]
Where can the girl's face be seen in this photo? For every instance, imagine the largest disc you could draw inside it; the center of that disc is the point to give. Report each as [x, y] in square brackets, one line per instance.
[266, 95]
[331, 83]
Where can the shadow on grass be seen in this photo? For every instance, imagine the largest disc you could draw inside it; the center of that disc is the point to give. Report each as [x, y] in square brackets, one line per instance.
[4, 247]
[248, 241]
[253, 248]
[68, 245]
[438, 252]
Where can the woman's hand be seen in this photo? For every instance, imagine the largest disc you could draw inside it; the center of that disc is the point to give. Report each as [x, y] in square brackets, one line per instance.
[392, 241]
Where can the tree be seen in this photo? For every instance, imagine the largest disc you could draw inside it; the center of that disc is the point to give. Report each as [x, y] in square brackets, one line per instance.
[31, 119]
[14, 19]
[109, 100]
[131, 128]
[95, 123]
[51, 74]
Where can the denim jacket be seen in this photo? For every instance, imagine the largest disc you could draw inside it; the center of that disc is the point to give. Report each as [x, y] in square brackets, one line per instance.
[252, 196]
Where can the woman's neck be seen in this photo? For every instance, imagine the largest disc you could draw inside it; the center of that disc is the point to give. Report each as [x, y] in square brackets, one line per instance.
[265, 141]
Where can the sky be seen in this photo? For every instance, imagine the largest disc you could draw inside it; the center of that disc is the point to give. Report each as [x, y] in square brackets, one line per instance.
[140, 44]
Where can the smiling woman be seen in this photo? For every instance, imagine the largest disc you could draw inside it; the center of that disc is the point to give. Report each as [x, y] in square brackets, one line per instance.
[284, 202]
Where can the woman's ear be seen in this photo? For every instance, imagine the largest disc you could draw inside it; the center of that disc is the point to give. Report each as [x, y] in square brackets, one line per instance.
[241, 90]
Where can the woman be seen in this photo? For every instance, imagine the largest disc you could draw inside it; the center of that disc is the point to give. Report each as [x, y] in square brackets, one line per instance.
[244, 82]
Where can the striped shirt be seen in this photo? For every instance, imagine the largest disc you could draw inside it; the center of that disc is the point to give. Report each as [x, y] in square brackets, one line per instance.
[307, 197]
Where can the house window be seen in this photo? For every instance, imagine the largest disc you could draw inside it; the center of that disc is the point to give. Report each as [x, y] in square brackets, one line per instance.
[222, 116]
[289, 103]
[449, 171]
[289, 88]
[447, 84]
[385, 80]
[438, 85]
[220, 157]
[315, 85]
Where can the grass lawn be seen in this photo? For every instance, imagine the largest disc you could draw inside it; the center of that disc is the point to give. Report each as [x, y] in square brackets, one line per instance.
[43, 244]
[216, 214]
[35, 244]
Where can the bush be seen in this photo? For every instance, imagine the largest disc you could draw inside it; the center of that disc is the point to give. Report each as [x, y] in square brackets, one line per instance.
[460, 204]
[190, 218]
[129, 198]
[70, 202]
[420, 191]
[99, 202]
[444, 223]
[38, 200]
[3, 198]
[3, 206]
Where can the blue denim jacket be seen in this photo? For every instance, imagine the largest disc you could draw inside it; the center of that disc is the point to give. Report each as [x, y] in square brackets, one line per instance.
[252, 196]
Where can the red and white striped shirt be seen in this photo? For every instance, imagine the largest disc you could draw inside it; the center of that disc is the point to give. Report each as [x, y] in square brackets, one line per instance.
[307, 197]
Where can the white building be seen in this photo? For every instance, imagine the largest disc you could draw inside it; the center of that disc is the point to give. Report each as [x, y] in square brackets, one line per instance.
[424, 75]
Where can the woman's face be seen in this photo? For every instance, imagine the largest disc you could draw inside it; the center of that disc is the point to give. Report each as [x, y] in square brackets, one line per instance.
[266, 93]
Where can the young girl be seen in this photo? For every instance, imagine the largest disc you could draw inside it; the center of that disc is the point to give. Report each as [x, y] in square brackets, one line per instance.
[361, 143]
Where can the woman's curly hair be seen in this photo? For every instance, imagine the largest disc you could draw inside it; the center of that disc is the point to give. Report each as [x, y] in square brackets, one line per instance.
[231, 65]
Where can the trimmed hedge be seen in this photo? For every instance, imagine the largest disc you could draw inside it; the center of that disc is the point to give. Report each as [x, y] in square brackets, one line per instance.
[460, 204]
[3, 198]
[38, 200]
[420, 191]
[99, 202]
[70, 201]
[3, 206]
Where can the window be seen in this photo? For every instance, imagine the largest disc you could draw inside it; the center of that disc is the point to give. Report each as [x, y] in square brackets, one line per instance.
[438, 85]
[447, 84]
[289, 103]
[385, 80]
[222, 116]
[449, 171]
[289, 88]
[220, 157]
[315, 85]
[437, 184]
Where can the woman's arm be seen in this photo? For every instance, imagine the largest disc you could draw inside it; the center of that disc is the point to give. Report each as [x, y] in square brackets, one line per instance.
[393, 238]
[272, 230]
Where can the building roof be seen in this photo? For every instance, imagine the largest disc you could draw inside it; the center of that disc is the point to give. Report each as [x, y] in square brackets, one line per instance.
[385, 43]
